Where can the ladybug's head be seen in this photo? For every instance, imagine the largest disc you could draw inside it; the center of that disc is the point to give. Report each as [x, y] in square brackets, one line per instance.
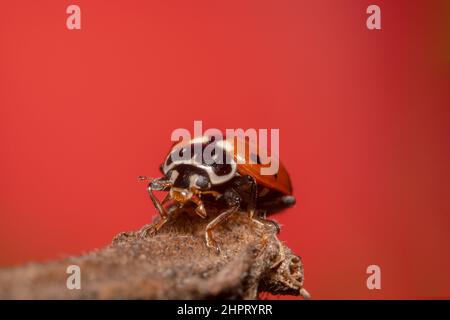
[186, 180]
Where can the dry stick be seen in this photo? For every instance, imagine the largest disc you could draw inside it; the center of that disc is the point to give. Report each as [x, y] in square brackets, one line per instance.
[173, 264]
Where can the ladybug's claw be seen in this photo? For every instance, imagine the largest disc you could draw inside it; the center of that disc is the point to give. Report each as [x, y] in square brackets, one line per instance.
[147, 230]
[151, 229]
[264, 223]
[211, 243]
[275, 224]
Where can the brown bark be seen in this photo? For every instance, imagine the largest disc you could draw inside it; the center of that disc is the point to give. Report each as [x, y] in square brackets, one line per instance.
[173, 264]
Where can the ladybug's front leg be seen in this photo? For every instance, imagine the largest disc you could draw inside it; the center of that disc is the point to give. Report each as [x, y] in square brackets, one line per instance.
[200, 207]
[158, 185]
[233, 200]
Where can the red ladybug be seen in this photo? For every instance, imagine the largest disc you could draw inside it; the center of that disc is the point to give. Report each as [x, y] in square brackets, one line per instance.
[191, 178]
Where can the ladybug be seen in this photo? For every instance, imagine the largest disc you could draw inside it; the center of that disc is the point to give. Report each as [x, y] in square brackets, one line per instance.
[235, 184]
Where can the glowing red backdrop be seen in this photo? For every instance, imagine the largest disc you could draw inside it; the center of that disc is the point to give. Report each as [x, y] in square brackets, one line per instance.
[363, 116]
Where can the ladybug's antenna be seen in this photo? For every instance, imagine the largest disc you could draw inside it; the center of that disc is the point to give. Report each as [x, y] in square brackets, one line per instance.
[145, 178]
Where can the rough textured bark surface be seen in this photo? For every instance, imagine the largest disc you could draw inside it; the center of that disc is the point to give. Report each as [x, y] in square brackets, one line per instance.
[173, 264]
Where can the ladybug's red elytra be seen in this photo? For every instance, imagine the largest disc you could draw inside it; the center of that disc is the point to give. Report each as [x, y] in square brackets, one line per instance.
[233, 184]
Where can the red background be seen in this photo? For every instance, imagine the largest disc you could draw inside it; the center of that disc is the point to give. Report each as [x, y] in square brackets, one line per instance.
[363, 116]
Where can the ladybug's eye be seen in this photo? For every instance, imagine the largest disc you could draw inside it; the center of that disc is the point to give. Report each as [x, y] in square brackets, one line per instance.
[202, 182]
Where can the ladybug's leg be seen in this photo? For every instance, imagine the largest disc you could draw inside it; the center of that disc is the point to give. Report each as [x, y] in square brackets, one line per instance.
[252, 206]
[233, 200]
[166, 199]
[159, 185]
[253, 197]
[200, 209]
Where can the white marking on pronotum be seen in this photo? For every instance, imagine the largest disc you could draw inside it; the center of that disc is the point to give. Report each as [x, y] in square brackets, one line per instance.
[173, 175]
